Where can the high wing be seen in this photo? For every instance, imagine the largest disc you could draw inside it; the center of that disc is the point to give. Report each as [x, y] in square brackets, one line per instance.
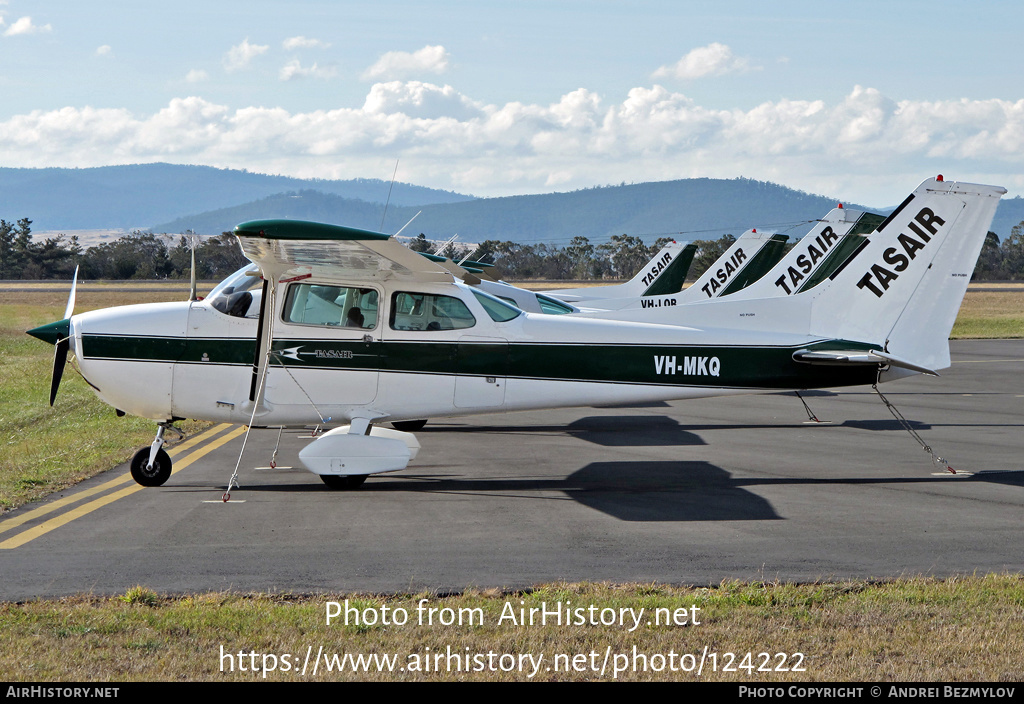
[332, 252]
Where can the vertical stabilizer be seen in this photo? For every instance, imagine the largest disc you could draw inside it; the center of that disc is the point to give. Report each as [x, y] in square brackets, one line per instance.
[903, 290]
[730, 266]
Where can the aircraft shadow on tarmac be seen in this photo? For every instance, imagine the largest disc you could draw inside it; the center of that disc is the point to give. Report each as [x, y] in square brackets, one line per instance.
[666, 491]
[629, 491]
[632, 431]
[610, 431]
[651, 491]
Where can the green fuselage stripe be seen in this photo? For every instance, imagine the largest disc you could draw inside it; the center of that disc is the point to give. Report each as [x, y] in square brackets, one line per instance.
[761, 367]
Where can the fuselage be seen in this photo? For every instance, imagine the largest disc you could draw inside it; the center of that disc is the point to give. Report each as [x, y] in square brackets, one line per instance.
[393, 350]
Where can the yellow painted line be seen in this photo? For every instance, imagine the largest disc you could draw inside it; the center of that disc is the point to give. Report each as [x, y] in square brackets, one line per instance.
[79, 511]
[73, 498]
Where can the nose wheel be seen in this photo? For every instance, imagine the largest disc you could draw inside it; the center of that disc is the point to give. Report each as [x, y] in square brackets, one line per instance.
[151, 475]
[151, 466]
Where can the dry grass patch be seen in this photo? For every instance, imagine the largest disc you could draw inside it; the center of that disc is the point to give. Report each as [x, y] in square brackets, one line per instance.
[960, 629]
[991, 314]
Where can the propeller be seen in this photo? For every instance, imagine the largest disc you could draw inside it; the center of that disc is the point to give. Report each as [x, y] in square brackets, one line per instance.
[58, 334]
[60, 357]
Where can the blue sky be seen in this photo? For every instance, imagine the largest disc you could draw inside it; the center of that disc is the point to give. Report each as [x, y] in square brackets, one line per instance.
[858, 100]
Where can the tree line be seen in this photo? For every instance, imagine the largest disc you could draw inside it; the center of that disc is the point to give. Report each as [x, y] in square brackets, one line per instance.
[139, 255]
[144, 255]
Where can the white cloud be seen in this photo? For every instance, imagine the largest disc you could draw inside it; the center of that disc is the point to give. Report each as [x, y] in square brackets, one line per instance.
[197, 75]
[301, 42]
[402, 64]
[104, 50]
[294, 69]
[239, 57]
[711, 60]
[420, 100]
[865, 147]
[24, 26]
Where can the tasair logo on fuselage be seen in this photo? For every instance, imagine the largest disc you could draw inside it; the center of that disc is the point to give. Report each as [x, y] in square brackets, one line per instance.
[724, 273]
[925, 225]
[294, 353]
[692, 366]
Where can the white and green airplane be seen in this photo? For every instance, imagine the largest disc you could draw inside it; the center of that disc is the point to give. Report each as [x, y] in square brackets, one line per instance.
[355, 329]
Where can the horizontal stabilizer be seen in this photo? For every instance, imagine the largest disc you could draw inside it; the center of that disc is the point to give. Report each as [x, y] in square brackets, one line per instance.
[857, 357]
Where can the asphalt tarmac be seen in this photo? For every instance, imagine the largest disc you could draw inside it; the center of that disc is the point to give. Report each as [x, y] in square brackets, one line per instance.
[683, 492]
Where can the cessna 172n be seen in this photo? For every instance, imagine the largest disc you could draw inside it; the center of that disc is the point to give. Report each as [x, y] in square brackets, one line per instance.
[355, 328]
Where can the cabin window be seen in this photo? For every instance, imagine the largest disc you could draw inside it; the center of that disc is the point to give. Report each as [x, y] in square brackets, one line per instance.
[427, 311]
[552, 307]
[335, 306]
[499, 311]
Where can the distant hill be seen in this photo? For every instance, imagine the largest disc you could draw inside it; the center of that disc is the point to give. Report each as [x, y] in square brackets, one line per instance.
[701, 208]
[170, 198]
[140, 195]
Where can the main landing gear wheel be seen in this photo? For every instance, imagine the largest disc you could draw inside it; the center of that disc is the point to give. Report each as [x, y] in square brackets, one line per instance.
[151, 477]
[409, 426]
[347, 482]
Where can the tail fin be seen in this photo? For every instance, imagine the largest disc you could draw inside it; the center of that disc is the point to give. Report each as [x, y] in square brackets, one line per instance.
[670, 278]
[751, 251]
[903, 290]
[816, 255]
[664, 274]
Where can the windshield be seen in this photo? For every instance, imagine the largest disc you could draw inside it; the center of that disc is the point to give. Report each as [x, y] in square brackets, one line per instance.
[234, 295]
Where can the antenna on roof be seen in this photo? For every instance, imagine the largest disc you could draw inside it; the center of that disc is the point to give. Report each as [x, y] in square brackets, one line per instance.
[381, 229]
[407, 224]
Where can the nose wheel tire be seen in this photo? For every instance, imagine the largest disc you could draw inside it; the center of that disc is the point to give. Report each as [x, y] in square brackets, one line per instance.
[342, 483]
[151, 477]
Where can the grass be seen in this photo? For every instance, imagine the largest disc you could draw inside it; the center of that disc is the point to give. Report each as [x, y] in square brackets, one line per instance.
[990, 314]
[961, 629]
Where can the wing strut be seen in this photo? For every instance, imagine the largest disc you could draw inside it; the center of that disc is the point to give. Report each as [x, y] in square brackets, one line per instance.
[259, 342]
[261, 364]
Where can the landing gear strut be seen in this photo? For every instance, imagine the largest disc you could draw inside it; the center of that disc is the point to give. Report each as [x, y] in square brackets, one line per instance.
[151, 466]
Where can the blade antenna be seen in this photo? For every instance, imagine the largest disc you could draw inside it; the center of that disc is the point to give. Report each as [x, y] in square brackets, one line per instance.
[407, 224]
[193, 294]
[389, 196]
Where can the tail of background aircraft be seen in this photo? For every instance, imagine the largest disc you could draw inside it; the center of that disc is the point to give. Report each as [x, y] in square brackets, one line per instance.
[664, 274]
[747, 260]
[831, 241]
[902, 291]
